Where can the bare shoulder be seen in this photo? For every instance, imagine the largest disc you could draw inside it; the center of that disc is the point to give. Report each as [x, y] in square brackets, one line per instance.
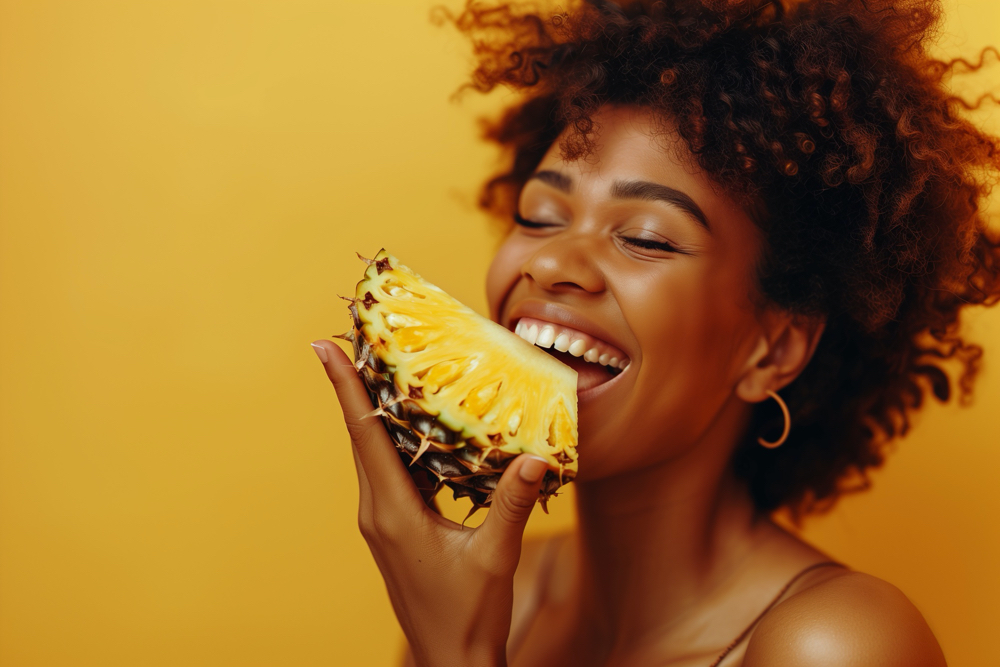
[851, 619]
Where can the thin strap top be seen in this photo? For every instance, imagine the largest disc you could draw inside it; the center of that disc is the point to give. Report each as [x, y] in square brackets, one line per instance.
[776, 600]
[547, 564]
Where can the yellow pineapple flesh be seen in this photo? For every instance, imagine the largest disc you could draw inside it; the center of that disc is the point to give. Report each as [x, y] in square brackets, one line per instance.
[460, 395]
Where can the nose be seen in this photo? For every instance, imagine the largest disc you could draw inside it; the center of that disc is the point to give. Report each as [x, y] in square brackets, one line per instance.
[565, 264]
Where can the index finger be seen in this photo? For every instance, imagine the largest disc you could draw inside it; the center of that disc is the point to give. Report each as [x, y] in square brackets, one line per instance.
[376, 451]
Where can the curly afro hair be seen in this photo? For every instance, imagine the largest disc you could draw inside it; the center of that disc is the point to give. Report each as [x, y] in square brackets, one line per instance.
[832, 124]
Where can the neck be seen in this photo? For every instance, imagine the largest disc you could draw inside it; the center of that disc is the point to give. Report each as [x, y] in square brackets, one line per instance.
[655, 541]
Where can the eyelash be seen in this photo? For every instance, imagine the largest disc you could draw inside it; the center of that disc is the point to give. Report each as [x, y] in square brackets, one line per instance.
[530, 224]
[645, 244]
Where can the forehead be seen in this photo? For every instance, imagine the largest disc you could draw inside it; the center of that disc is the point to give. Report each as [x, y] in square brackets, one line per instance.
[631, 143]
[618, 130]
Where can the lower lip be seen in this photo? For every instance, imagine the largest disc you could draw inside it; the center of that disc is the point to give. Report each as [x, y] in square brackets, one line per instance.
[592, 394]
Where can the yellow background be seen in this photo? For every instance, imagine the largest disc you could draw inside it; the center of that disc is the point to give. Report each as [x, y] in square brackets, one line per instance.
[182, 187]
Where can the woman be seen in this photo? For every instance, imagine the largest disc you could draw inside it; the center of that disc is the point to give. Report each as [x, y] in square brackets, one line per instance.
[763, 206]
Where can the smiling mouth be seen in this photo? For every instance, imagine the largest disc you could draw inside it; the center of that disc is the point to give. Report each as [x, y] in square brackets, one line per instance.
[595, 361]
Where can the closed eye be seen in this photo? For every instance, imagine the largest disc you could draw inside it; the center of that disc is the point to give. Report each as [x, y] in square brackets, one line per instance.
[648, 244]
[531, 224]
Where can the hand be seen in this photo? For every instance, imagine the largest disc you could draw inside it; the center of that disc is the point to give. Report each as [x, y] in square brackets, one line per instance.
[451, 587]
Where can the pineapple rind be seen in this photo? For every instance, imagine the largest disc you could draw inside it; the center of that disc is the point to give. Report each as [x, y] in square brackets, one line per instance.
[459, 393]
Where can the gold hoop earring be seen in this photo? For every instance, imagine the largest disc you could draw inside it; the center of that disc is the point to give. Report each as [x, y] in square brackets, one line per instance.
[788, 423]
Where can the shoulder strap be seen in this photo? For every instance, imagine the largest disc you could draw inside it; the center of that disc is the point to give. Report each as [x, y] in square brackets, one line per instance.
[777, 598]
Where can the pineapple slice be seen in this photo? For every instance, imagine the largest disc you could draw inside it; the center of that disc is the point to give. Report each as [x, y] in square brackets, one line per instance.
[460, 395]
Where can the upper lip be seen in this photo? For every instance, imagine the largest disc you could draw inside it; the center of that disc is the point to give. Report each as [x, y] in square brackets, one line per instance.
[560, 314]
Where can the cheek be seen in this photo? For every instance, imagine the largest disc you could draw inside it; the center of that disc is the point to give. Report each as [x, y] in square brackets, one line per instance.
[691, 328]
[697, 336]
[504, 272]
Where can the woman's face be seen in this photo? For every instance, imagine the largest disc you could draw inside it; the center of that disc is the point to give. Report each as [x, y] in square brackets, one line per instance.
[632, 252]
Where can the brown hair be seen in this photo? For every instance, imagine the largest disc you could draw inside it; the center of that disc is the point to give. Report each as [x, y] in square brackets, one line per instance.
[828, 119]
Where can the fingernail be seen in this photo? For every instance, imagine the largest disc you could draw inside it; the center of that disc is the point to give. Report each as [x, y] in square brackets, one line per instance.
[532, 470]
[320, 352]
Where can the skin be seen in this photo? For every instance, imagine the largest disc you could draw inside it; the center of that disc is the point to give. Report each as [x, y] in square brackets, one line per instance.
[670, 560]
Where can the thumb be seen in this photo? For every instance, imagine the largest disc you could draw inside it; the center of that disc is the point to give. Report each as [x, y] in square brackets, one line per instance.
[513, 500]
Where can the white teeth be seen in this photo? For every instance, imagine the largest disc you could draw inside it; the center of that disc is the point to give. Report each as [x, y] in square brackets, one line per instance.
[532, 334]
[546, 337]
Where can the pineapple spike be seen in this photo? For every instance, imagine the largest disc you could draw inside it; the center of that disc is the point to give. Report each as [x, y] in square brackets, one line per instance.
[377, 412]
[544, 502]
[349, 336]
[393, 401]
[381, 409]
[425, 444]
[364, 259]
[363, 359]
[350, 298]
[475, 508]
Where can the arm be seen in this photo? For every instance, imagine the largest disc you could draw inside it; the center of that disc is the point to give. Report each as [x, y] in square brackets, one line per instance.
[854, 620]
[451, 588]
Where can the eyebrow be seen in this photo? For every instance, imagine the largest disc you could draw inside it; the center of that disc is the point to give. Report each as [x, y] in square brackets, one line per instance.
[656, 192]
[643, 190]
[559, 181]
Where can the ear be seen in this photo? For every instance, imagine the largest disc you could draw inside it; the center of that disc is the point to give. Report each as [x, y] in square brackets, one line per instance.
[785, 345]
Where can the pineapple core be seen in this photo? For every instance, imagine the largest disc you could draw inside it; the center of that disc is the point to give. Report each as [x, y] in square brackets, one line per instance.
[460, 395]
